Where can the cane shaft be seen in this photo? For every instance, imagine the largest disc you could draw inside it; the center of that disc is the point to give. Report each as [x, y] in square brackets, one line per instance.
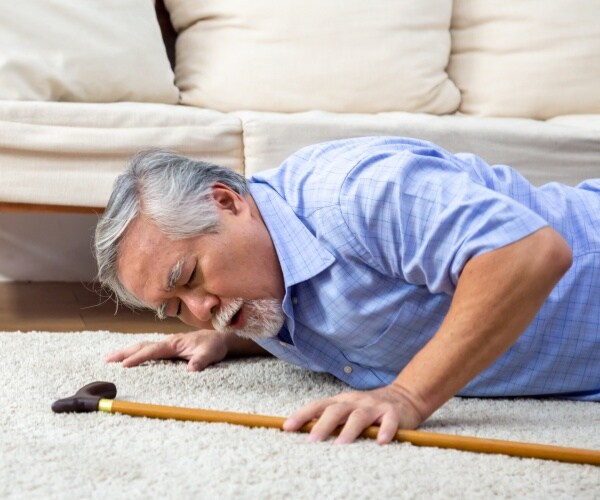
[197, 415]
[418, 438]
[498, 446]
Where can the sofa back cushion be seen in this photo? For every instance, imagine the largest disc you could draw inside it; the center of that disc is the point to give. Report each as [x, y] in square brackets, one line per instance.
[526, 58]
[86, 51]
[335, 55]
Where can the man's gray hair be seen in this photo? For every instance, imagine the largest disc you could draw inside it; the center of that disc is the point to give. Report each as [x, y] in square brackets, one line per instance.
[171, 191]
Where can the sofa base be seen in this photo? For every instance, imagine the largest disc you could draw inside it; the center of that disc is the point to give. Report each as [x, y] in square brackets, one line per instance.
[63, 209]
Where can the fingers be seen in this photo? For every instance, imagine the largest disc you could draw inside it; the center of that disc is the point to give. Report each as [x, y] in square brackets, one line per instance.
[305, 414]
[120, 355]
[357, 422]
[331, 415]
[352, 413]
[200, 360]
[201, 348]
[140, 353]
[387, 429]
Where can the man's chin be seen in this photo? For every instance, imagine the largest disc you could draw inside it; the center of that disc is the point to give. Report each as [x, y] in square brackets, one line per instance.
[259, 320]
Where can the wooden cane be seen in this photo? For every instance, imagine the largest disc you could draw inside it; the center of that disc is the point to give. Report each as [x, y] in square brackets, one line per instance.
[98, 396]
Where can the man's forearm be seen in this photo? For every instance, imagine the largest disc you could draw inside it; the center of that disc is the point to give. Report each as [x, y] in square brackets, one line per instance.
[239, 347]
[497, 296]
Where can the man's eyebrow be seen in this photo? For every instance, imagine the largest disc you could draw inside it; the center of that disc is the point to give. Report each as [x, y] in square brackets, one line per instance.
[172, 279]
[160, 311]
[174, 275]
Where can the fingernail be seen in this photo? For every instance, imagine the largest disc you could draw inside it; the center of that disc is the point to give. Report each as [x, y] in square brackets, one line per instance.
[291, 425]
[383, 439]
[313, 439]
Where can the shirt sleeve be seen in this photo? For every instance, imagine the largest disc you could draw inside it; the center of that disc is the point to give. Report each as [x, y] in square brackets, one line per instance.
[422, 214]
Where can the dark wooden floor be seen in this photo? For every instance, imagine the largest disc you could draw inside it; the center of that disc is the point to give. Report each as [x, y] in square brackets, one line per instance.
[67, 307]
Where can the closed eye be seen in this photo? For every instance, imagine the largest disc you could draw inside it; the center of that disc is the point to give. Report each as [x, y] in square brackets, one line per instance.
[178, 308]
[192, 276]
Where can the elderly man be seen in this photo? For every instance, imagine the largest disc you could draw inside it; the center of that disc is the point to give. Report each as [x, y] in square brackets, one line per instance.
[410, 273]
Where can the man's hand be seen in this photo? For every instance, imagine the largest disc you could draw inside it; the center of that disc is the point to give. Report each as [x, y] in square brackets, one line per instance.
[390, 407]
[201, 349]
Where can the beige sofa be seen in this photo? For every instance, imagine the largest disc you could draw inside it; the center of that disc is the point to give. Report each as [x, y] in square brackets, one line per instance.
[83, 85]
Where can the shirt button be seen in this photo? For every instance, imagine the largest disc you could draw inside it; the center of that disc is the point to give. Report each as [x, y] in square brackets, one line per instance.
[294, 300]
[347, 369]
[283, 344]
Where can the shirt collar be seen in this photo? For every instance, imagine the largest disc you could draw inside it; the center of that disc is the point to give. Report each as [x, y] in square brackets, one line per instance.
[300, 254]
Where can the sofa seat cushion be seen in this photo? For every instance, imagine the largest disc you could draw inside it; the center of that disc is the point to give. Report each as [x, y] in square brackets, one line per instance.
[286, 55]
[70, 153]
[590, 122]
[541, 151]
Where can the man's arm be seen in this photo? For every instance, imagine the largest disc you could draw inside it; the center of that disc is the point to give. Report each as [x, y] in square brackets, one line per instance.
[239, 347]
[498, 294]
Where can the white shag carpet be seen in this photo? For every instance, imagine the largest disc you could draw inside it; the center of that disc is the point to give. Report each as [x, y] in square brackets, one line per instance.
[98, 455]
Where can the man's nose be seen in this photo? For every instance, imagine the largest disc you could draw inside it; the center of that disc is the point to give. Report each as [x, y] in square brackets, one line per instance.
[202, 306]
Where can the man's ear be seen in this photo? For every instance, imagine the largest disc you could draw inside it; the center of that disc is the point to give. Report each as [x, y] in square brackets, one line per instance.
[226, 198]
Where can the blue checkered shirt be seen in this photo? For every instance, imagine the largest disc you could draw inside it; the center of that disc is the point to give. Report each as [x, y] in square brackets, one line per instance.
[372, 235]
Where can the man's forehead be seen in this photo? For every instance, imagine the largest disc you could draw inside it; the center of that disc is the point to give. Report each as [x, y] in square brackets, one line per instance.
[141, 231]
[143, 255]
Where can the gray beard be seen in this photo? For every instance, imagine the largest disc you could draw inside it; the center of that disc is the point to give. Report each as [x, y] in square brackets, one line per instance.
[264, 318]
